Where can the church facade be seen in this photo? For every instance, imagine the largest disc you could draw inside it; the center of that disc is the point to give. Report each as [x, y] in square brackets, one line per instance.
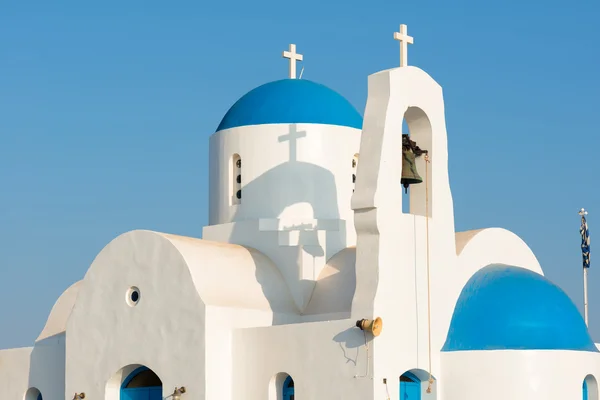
[310, 282]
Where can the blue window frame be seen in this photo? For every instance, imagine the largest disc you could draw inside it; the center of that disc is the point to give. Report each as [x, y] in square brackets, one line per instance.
[288, 389]
[410, 387]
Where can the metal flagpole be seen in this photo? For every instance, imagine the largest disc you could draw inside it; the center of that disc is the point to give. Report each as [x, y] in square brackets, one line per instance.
[585, 251]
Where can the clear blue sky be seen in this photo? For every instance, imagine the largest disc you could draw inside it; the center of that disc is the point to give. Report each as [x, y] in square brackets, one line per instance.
[106, 110]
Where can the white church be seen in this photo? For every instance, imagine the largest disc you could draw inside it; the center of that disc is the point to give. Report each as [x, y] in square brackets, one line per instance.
[310, 282]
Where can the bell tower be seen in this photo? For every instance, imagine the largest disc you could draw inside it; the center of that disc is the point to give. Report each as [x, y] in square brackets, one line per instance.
[401, 259]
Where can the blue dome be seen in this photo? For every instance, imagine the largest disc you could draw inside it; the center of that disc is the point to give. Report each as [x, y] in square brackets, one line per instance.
[511, 308]
[291, 101]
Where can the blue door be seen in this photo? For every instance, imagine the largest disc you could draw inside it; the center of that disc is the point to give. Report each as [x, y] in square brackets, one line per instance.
[410, 387]
[288, 389]
[584, 390]
[145, 393]
[142, 384]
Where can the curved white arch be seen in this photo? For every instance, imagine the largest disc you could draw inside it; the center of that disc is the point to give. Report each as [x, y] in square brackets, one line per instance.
[479, 248]
[59, 315]
[231, 275]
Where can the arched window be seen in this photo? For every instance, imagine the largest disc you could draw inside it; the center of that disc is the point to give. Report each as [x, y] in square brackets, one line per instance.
[589, 388]
[236, 179]
[354, 166]
[288, 389]
[33, 394]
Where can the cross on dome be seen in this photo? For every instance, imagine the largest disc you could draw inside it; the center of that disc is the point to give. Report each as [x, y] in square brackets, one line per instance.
[404, 40]
[293, 57]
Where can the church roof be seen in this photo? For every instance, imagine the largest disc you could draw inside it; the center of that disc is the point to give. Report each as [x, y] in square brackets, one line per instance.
[291, 101]
[511, 308]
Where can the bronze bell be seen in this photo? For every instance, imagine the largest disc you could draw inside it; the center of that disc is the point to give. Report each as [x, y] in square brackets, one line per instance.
[410, 175]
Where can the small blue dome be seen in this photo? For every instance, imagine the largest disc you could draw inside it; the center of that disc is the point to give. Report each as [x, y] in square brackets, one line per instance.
[291, 101]
[510, 308]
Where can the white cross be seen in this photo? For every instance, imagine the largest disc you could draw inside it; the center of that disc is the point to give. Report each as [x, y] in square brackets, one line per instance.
[293, 57]
[405, 40]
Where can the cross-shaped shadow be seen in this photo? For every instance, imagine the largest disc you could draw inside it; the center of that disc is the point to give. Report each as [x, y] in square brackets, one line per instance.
[292, 137]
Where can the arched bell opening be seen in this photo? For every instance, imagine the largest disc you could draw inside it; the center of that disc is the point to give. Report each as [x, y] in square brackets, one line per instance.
[235, 180]
[416, 176]
[354, 168]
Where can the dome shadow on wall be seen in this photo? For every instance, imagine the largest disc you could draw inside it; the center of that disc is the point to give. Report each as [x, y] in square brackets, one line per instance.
[292, 101]
[510, 308]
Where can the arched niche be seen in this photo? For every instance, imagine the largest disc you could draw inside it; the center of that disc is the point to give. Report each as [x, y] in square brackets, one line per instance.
[281, 387]
[33, 394]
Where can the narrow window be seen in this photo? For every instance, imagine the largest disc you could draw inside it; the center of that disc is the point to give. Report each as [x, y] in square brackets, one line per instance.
[236, 179]
[354, 166]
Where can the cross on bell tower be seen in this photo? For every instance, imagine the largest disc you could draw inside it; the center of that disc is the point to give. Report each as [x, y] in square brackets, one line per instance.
[293, 57]
[404, 40]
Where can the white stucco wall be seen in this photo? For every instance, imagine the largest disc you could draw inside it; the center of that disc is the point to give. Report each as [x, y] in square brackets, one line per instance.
[309, 179]
[327, 360]
[518, 375]
[47, 367]
[14, 373]
[41, 367]
[170, 329]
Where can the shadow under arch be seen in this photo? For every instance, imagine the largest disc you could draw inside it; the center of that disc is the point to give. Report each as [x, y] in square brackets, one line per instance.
[33, 393]
[414, 384]
[134, 378]
[590, 388]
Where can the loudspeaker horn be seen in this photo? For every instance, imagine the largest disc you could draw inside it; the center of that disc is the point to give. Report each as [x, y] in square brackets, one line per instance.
[374, 326]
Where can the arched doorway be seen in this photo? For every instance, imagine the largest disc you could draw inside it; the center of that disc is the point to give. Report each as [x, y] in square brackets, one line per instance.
[414, 385]
[141, 384]
[288, 389]
[410, 387]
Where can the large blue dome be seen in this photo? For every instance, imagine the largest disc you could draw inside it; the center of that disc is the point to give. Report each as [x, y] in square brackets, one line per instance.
[291, 101]
[511, 308]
